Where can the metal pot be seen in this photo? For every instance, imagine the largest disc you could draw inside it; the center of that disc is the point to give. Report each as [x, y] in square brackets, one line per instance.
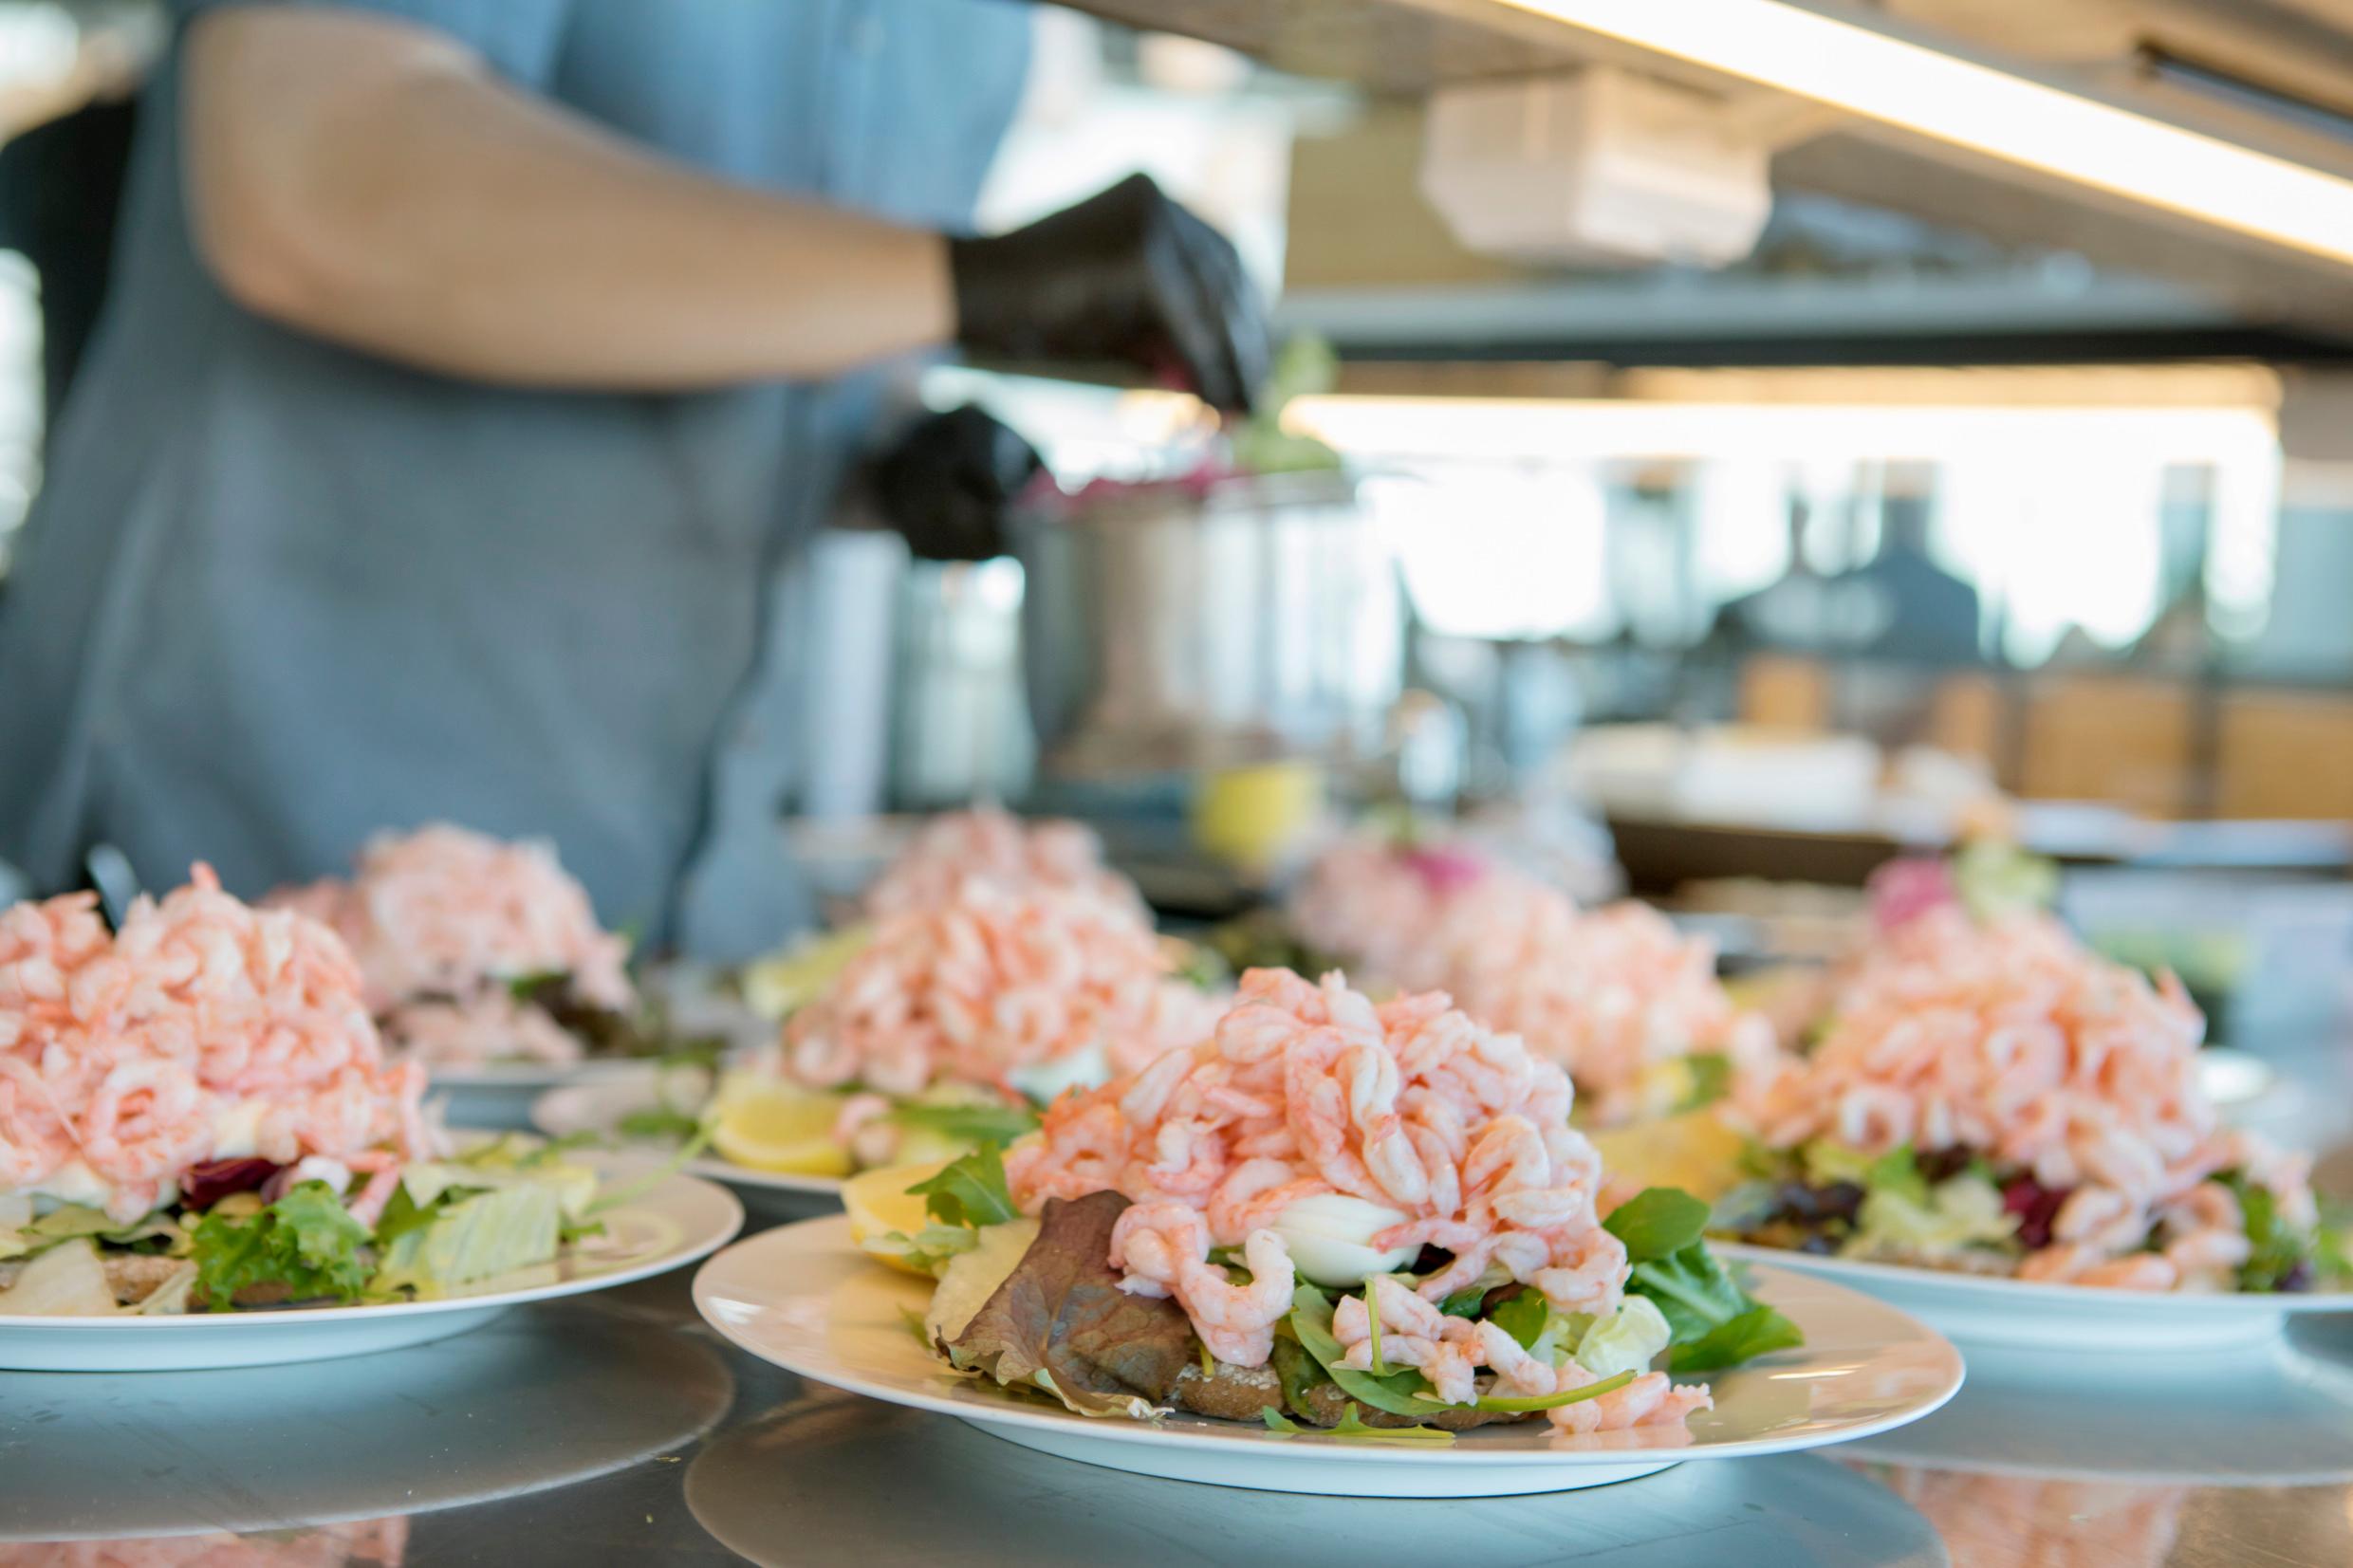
[1169, 628]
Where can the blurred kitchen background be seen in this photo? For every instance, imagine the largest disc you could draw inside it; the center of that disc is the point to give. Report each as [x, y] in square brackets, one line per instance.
[1738, 489]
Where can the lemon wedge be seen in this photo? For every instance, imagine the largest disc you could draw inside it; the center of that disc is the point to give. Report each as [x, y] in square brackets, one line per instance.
[1694, 1151]
[779, 985]
[774, 1126]
[878, 1205]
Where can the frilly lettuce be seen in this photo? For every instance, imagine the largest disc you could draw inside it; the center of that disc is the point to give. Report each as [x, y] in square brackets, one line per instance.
[1627, 1341]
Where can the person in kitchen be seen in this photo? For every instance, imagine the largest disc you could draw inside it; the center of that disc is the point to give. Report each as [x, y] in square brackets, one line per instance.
[472, 371]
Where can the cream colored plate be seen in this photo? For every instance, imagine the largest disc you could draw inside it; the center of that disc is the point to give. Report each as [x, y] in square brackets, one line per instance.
[1990, 1310]
[803, 1297]
[681, 1219]
[598, 1108]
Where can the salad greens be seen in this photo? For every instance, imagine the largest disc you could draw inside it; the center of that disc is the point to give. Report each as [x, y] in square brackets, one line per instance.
[1950, 1207]
[1311, 1325]
[1046, 1314]
[305, 1246]
[990, 1123]
[1712, 1321]
[505, 1207]
[970, 1191]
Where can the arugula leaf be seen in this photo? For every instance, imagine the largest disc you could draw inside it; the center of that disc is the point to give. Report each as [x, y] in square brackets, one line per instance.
[1371, 1320]
[969, 1191]
[1756, 1332]
[1277, 1422]
[1505, 1405]
[1657, 1222]
[305, 1244]
[1312, 1324]
[998, 1124]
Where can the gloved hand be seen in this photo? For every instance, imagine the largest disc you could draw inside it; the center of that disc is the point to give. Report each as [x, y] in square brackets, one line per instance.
[1127, 274]
[947, 483]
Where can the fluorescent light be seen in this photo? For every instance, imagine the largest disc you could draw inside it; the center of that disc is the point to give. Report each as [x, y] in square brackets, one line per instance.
[2004, 116]
[1574, 430]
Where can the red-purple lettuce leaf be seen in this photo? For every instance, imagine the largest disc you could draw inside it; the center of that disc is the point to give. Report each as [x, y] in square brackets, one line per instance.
[1061, 1312]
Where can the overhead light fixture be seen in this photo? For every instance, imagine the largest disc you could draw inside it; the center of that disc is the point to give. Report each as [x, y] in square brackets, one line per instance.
[1999, 114]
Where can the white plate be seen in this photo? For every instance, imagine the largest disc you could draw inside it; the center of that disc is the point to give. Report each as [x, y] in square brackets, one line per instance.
[256, 1449]
[598, 1108]
[681, 1219]
[803, 1297]
[536, 1077]
[499, 1098]
[1981, 1310]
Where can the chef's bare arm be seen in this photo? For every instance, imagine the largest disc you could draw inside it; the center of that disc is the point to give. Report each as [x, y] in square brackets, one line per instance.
[374, 183]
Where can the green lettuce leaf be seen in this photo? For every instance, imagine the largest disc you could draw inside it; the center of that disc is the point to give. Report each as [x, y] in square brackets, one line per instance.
[1626, 1341]
[306, 1246]
[474, 1236]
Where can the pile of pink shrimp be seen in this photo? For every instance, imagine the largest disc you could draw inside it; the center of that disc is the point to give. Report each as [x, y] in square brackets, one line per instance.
[1388, 909]
[1306, 1090]
[442, 919]
[1607, 993]
[990, 981]
[375, 1543]
[2011, 1040]
[960, 846]
[122, 1054]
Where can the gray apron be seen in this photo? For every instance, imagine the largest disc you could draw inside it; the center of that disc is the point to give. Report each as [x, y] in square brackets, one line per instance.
[277, 595]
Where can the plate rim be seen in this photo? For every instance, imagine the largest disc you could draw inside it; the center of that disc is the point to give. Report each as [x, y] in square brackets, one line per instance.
[546, 1105]
[533, 1076]
[687, 1250]
[801, 1233]
[2023, 1293]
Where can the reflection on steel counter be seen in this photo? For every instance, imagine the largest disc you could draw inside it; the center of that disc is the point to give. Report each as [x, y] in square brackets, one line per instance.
[357, 1543]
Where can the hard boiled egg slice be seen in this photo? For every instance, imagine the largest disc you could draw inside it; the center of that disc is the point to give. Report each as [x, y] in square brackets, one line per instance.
[1330, 1239]
[1041, 1081]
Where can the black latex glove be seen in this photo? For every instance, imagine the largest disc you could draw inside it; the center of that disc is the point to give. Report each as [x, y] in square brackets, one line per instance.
[947, 483]
[1127, 274]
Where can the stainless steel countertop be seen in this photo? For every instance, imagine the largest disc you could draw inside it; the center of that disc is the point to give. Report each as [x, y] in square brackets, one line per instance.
[618, 1429]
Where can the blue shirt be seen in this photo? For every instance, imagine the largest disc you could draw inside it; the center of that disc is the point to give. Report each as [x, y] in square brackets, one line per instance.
[277, 594]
